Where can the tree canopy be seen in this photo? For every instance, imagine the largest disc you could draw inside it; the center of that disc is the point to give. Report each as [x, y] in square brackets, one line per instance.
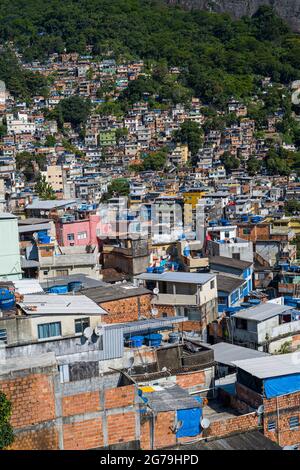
[218, 56]
[6, 431]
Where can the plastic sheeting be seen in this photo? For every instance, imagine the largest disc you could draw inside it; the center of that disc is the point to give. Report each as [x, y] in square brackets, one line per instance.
[190, 421]
[276, 386]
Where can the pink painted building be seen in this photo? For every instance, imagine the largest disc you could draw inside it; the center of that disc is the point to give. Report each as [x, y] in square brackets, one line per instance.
[78, 232]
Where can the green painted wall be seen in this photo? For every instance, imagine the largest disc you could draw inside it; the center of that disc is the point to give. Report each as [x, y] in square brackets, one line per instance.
[10, 261]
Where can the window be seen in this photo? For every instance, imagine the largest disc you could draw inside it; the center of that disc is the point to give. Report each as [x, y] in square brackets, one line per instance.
[271, 426]
[3, 335]
[49, 330]
[236, 256]
[294, 422]
[246, 231]
[81, 324]
[70, 236]
[212, 284]
[62, 272]
[222, 300]
[241, 324]
[82, 235]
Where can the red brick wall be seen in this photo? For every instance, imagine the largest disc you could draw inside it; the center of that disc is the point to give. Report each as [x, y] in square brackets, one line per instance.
[119, 397]
[46, 439]
[288, 406]
[191, 379]
[81, 403]
[125, 310]
[163, 436]
[83, 435]
[233, 425]
[32, 397]
[145, 427]
[121, 428]
[249, 396]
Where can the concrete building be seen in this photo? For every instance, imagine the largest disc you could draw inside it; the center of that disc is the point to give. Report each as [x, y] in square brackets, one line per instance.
[10, 261]
[266, 327]
[193, 295]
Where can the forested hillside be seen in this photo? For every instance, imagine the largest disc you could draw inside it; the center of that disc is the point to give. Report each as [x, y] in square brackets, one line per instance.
[219, 57]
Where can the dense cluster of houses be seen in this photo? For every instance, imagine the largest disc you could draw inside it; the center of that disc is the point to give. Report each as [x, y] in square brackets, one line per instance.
[175, 308]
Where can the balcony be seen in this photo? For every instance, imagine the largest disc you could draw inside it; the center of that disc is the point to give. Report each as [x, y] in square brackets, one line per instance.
[176, 299]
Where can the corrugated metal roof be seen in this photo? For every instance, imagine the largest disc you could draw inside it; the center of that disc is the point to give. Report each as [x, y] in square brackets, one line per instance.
[171, 398]
[271, 366]
[148, 324]
[229, 262]
[60, 305]
[28, 286]
[228, 284]
[34, 227]
[252, 440]
[182, 277]
[227, 353]
[262, 312]
[48, 205]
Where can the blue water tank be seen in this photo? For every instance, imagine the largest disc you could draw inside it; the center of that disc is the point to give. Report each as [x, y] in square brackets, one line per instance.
[245, 218]
[136, 341]
[74, 286]
[58, 289]
[154, 339]
[186, 251]
[150, 270]
[158, 270]
[7, 299]
[174, 337]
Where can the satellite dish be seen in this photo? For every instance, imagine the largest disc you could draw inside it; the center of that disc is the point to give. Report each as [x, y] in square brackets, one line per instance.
[154, 312]
[88, 332]
[205, 423]
[130, 362]
[156, 291]
[164, 369]
[260, 410]
[177, 426]
[98, 331]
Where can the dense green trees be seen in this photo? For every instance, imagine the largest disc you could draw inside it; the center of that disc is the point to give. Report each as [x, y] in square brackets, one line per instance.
[191, 134]
[44, 190]
[230, 162]
[118, 187]
[6, 431]
[218, 56]
[21, 83]
[30, 164]
[75, 110]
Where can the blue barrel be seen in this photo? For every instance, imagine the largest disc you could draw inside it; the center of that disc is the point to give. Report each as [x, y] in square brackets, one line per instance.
[174, 337]
[58, 290]
[137, 341]
[150, 270]
[7, 299]
[74, 286]
[153, 339]
[186, 251]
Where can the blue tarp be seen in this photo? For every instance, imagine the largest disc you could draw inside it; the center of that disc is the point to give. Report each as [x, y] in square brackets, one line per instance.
[276, 386]
[190, 421]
